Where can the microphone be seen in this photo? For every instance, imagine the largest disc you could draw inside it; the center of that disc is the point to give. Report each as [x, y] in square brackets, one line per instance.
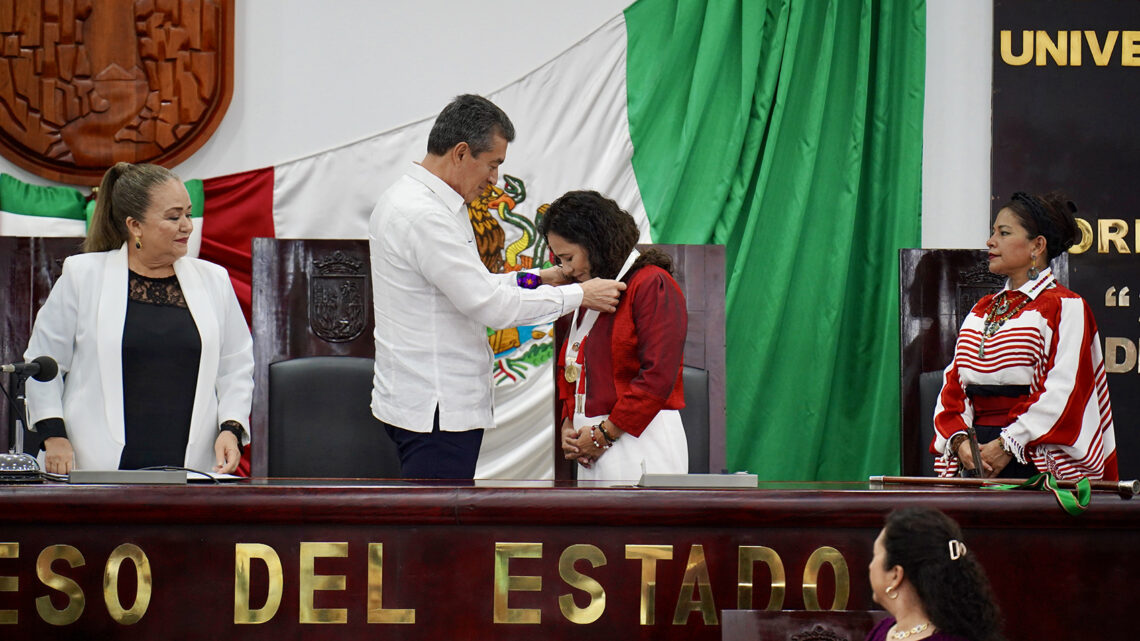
[43, 369]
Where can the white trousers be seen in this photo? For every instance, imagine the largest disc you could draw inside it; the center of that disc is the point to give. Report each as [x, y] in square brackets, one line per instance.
[661, 449]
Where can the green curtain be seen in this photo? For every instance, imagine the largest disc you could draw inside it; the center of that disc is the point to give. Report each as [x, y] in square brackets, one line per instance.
[791, 132]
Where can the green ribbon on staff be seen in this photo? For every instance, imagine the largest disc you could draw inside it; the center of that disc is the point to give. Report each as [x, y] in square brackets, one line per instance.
[1074, 501]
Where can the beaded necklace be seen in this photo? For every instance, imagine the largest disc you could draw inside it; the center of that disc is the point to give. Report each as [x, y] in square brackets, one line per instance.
[903, 634]
[998, 314]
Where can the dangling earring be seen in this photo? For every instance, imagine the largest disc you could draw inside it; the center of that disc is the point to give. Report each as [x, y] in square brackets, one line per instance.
[138, 242]
[1033, 271]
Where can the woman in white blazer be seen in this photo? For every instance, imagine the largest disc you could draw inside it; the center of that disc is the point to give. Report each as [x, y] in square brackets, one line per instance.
[155, 358]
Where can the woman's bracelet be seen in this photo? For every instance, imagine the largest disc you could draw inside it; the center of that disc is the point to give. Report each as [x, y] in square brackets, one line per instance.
[1005, 446]
[594, 438]
[609, 439]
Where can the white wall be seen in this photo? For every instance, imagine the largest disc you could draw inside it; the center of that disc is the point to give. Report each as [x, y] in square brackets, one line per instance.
[956, 127]
[314, 74]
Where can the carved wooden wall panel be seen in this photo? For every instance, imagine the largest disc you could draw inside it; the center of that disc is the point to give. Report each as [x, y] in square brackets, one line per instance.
[88, 83]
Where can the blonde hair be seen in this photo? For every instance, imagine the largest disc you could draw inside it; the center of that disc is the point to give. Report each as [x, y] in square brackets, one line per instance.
[124, 193]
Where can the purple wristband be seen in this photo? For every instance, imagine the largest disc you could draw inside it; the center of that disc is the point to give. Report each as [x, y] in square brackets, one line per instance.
[527, 280]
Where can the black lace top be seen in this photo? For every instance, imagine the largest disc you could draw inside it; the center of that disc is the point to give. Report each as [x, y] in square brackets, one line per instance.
[156, 291]
[161, 351]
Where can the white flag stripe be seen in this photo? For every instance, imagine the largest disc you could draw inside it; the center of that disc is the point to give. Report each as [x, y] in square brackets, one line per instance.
[23, 225]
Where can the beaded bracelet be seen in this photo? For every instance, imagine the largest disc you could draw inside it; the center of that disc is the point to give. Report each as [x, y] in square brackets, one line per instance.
[610, 439]
[594, 438]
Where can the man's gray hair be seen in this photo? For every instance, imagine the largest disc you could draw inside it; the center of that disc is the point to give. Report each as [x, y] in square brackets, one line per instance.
[471, 119]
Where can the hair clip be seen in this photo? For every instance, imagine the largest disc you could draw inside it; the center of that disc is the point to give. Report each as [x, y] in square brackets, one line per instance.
[957, 549]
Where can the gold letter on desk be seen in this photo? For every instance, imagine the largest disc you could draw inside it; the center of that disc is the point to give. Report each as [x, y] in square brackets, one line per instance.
[649, 555]
[75, 599]
[312, 582]
[505, 583]
[111, 584]
[9, 583]
[746, 571]
[696, 576]
[834, 558]
[244, 553]
[376, 611]
[576, 579]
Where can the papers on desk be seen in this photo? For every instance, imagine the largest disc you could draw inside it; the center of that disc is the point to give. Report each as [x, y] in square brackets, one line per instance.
[698, 480]
[173, 476]
[127, 477]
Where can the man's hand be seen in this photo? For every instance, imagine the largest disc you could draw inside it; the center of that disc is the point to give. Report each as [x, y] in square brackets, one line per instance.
[602, 294]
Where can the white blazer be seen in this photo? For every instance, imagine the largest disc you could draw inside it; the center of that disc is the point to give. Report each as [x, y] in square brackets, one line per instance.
[81, 327]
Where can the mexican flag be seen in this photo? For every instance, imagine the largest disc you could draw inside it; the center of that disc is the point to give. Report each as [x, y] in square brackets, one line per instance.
[789, 131]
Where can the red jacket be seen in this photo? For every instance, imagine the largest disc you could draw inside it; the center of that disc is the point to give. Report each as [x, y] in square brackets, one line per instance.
[640, 373]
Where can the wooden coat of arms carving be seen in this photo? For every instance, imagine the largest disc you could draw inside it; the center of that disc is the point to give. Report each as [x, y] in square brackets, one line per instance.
[88, 83]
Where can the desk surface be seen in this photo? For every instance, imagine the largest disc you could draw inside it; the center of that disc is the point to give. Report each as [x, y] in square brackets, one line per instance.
[521, 560]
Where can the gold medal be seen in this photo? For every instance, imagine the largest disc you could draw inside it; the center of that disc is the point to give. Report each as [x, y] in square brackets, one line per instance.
[572, 373]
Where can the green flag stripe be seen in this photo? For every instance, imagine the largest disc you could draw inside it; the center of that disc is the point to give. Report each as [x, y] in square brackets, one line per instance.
[19, 197]
[197, 197]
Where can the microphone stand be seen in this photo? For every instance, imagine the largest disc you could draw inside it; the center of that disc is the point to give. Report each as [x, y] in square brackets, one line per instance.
[16, 466]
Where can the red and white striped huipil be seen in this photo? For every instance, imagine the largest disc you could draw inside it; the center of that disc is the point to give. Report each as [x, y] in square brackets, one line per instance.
[1064, 426]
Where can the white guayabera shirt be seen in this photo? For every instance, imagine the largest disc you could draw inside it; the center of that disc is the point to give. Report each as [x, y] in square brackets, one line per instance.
[434, 299]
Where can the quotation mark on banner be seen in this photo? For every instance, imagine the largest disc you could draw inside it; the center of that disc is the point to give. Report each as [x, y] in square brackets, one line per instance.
[1112, 298]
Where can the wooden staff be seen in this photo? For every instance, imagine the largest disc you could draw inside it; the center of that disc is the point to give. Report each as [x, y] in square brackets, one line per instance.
[1126, 489]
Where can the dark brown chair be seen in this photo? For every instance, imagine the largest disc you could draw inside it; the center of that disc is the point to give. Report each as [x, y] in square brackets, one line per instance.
[32, 267]
[313, 298]
[937, 288]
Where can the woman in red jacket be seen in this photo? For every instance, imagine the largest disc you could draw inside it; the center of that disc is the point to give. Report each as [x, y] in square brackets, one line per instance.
[619, 374]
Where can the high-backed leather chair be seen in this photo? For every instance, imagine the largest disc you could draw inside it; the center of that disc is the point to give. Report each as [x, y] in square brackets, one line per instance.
[695, 417]
[320, 421]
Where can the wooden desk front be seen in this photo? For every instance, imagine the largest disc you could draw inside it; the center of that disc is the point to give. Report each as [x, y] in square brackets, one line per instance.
[287, 559]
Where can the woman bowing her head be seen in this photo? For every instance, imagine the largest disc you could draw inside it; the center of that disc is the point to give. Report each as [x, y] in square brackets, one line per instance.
[619, 374]
[155, 358]
[1028, 371]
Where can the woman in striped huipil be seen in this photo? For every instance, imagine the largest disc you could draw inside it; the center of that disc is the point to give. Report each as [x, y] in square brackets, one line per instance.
[1028, 370]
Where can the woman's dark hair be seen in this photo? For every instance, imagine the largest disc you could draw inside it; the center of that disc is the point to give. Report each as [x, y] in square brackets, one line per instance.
[1049, 215]
[955, 592]
[124, 193]
[606, 231]
[471, 119]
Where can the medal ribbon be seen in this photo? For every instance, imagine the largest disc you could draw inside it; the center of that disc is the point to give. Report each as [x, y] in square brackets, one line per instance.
[575, 371]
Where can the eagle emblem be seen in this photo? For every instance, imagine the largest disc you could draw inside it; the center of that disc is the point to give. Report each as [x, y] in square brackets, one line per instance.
[509, 246]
